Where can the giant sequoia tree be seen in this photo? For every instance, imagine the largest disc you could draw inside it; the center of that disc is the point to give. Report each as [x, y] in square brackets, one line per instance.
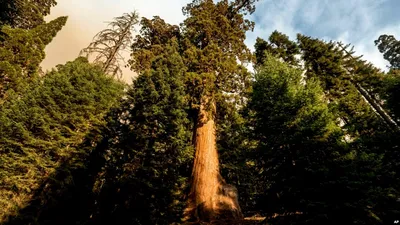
[211, 57]
[211, 44]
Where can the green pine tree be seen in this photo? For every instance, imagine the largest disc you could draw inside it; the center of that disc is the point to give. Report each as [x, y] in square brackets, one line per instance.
[327, 62]
[150, 148]
[389, 46]
[298, 144]
[21, 52]
[43, 128]
[391, 93]
[368, 129]
[279, 46]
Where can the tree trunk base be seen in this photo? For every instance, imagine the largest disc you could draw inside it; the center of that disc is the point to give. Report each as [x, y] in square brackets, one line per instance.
[224, 208]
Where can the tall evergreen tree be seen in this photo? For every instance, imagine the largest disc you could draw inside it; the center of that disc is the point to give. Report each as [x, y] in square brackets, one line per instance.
[211, 57]
[22, 51]
[151, 148]
[298, 144]
[391, 93]
[389, 46]
[368, 80]
[280, 46]
[328, 62]
[354, 91]
[368, 130]
[211, 43]
[43, 128]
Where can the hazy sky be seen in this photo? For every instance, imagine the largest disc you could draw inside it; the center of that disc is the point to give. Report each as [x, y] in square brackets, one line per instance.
[358, 22]
[88, 17]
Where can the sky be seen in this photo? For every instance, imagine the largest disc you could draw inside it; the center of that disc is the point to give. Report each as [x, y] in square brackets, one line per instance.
[357, 22]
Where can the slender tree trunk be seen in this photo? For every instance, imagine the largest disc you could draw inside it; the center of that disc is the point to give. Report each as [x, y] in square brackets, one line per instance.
[377, 108]
[113, 53]
[210, 197]
[107, 64]
[373, 104]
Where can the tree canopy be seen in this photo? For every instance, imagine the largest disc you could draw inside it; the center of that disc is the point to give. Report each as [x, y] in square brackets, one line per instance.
[44, 128]
[25, 14]
[22, 51]
[389, 46]
[310, 136]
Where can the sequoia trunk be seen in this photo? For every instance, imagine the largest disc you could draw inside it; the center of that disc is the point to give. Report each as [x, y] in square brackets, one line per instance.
[210, 197]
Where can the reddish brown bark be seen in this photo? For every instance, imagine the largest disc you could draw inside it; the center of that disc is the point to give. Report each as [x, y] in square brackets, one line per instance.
[210, 197]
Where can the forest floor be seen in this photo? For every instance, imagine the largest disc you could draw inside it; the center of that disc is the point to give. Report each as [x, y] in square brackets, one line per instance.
[246, 221]
[253, 220]
[249, 220]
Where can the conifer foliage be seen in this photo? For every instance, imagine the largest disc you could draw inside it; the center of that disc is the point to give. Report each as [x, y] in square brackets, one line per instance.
[25, 14]
[147, 170]
[390, 47]
[297, 142]
[310, 137]
[279, 46]
[211, 41]
[43, 128]
[22, 51]
[355, 156]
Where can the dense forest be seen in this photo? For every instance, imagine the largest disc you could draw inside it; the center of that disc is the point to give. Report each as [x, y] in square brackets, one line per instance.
[308, 136]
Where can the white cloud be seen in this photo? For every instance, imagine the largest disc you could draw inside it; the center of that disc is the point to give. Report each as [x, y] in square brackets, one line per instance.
[272, 15]
[367, 48]
[358, 22]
